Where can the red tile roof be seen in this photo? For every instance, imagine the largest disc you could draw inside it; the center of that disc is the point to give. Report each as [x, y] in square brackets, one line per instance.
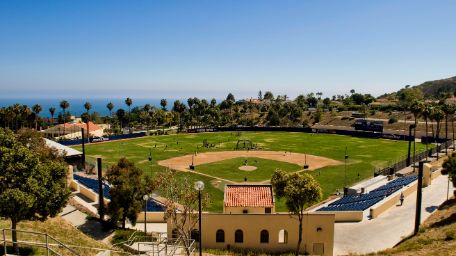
[92, 126]
[249, 195]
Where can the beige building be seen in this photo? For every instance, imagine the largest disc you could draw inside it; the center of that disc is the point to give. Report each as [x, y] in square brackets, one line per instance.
[73, 130]
[249, 222]
[248, 199]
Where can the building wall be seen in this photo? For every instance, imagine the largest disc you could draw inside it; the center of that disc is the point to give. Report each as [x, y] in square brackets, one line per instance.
[318, 231]
[250, 210]
[345, 216]
[152, 217]
[392, 200]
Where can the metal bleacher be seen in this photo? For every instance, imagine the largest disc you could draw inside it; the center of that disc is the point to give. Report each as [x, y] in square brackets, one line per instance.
[361, 202]
[152, 205]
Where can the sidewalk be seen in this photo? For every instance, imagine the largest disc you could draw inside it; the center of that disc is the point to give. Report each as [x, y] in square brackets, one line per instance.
[391, 227]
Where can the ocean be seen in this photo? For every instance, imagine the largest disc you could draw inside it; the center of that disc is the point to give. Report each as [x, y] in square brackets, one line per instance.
[77, 105]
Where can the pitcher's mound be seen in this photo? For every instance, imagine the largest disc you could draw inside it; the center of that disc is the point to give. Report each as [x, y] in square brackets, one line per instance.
[248, 168]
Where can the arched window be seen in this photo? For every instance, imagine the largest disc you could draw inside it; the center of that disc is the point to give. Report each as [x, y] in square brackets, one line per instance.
[238, 236]
[174, 234]
[220, 236]
[264, 236]
[283, 236]
[195, 235]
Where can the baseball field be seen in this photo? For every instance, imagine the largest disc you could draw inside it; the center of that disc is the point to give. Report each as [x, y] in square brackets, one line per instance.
[232, 157]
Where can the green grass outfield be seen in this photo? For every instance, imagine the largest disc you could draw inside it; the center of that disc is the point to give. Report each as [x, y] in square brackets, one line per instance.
[364, 155]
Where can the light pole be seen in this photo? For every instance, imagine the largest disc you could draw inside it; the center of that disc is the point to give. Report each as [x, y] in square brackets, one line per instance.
[199, 185]
[150, 160]
[412, 126]
[145, 198]
[345, 173]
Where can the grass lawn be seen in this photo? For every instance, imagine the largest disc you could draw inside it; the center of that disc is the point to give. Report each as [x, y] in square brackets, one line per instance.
[229, 169]
[365, 155]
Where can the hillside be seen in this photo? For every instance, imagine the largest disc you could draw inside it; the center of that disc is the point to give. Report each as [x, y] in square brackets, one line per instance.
[432, 89]
[57, 228]
[437, 235]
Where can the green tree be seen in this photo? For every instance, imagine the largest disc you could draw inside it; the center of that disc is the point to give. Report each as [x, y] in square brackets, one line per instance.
[129, 102]
[268, 96]
[87, 106]
[438, 116]
[36, 109]
[279, 181]
[449, 166]
[33, 179]
[126, 192]
[449, 110]
[64, 105]
[300, 192]
[181, 191]
[52, 112]
[426, 113]
[408, 95]
[110, 107]
[163, 103]
[120, 113]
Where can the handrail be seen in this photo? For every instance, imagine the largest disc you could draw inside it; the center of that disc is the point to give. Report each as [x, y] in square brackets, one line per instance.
[47, 244]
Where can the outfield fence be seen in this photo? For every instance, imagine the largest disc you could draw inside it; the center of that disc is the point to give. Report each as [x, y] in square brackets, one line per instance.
[363, 134]
[402, 163]
[101, 139]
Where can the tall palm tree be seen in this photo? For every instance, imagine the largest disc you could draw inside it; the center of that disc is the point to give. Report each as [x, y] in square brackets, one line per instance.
[427, 110]
[437, 116]
[36, 109]
[64, 105]
[52, 112]
[25, 113]
[88, 106]
[110, 107]
[129, 102]
[449, 110]
[163, 103]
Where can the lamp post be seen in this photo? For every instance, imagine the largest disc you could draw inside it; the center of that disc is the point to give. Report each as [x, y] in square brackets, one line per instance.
[412, 126]
[345, 173]
[199, 185]
[145, 198]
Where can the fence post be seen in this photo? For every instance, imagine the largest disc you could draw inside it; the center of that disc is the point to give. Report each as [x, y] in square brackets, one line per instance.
[47, 245]
[4, 242]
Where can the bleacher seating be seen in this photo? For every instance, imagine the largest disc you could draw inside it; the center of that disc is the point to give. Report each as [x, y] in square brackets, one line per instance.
[93, 185]
[152, 205]
[361, 202]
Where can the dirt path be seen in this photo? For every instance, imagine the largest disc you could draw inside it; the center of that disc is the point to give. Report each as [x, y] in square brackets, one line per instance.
[182, 163]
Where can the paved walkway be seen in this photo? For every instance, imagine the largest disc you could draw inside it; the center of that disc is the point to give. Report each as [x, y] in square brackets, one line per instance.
[389, 228]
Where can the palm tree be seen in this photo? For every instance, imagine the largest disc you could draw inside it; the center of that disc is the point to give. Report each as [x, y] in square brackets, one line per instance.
[110, 107]
[448, 109]
[64, 105]
[163, 103]
[449, 166]
[52, 112]
[438, 116]
[36, 109]
[427, 110]
[87, 106]
[129, 102]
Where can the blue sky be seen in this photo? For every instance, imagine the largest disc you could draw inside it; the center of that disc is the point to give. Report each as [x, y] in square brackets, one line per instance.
[155, 49]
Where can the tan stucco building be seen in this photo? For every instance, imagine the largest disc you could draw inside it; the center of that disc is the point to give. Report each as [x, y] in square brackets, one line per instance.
[249, 221]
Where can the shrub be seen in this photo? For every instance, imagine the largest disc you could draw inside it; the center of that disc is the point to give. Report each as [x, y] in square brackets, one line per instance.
[449, 235]
[392, 120]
